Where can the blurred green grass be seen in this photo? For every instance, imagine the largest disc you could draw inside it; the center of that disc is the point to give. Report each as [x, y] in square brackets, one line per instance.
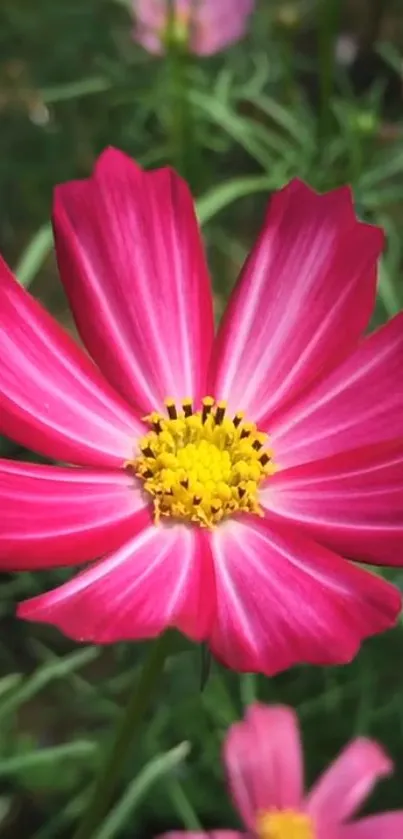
[72, 82]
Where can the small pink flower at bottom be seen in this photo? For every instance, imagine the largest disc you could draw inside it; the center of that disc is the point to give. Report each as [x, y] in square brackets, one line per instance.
[264, 761]
[203, 27]
[228, 486]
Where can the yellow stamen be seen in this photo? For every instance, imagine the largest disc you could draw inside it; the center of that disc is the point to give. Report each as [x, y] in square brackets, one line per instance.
[285, 824]
[202, 466]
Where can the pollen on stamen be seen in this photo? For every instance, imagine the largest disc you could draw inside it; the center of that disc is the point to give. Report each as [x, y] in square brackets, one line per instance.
[147, 451]
[201, 466]
[154, 421]
[171, 408]
[207, 403]
[220, 412]
[187, 406]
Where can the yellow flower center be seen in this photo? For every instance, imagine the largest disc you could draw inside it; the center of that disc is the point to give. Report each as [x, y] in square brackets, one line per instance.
[286, 824]
[202, 466]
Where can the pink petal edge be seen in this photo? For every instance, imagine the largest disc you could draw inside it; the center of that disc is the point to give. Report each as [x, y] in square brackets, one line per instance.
[264, 762]
[301, 304]
[161, 578]
[359, 404]
[282, 599]
[351, 502]
[54, 516]
[347, 783]
[133, 266]
[383, 826]
[213, 26]
[53, 399]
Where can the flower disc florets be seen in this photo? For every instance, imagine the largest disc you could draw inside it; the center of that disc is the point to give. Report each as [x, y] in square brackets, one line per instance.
[285, 824]
[201, 466]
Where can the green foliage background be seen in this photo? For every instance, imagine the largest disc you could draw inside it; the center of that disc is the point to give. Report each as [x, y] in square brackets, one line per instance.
[274, 106]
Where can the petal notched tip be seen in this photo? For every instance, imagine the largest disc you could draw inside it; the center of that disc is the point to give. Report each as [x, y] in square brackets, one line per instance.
[339, 201]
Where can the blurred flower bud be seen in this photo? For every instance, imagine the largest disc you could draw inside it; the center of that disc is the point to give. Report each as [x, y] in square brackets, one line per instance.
[288, 16]
[202, 27]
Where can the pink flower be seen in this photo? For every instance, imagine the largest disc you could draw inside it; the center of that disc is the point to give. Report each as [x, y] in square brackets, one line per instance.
[197, 518]
[263, 757]
[202, 26]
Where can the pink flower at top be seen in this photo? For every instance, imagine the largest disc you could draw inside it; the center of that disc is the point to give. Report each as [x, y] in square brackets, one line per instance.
[263, 757]
[230, 487]
[204, 27]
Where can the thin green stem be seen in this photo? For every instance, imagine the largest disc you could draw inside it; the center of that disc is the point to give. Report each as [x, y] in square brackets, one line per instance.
[328, 15]
[180, 115]
[184, 151]
[248, 688]
[126, 729]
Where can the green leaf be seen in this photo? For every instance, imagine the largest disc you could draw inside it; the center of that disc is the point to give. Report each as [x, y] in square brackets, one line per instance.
[241, 129]
[300, 132]
[9, 682]
[53, 828]
[149, 775]
[248, 688]
[34, 255]
[390, 166]
[391, 54]
[74, 90]
[182, 805]
[387, 291]
[59, 669]
[41, 757]
[217, 198]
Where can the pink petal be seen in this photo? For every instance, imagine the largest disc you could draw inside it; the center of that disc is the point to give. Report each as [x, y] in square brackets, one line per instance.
[218, 25]
[150, 12]
[54, 516]
[264, 762]
[359, 404]
[352, 502]
[348, 782]
[133, 266]
[161, 578]
[149, 39]
[302, 302]
[218, 36]
[212, 26]
[282, 599]
[53, 399]
[384, 826]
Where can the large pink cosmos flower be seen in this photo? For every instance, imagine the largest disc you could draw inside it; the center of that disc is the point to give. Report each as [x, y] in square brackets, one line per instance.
[204, 26]
[197, 519]
[263, 756]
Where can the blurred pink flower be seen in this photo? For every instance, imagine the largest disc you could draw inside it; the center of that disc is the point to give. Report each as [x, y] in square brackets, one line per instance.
[263, 756]
[203, 26]
[198, 519]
